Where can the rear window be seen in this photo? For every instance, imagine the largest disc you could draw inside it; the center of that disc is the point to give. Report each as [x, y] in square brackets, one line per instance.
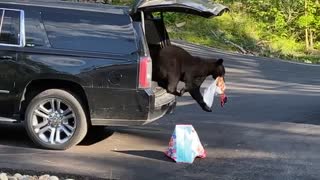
[88, 31]
[10, 30]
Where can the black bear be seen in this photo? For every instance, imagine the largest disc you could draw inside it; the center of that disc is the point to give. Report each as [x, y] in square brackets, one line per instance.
[173, 64]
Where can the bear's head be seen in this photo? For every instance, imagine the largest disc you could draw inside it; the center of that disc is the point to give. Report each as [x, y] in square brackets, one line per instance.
[219, 70]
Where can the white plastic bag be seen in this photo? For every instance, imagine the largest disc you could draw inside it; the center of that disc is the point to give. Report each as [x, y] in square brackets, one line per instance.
[210, 92]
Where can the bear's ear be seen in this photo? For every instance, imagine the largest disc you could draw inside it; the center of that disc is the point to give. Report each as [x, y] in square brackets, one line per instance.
[219, 62]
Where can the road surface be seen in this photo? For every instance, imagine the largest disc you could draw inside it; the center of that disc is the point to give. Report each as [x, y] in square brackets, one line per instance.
[270, 129]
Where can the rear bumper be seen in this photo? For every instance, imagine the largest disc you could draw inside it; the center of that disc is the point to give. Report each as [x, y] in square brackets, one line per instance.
[163, 104]
[145, 107]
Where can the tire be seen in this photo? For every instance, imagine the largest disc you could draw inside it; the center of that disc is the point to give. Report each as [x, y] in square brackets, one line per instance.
[57, 128]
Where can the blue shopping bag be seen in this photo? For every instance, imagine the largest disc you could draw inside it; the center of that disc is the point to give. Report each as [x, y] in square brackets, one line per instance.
[185, 145]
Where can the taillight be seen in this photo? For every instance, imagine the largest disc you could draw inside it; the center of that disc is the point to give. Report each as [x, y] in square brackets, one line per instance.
[145, 72]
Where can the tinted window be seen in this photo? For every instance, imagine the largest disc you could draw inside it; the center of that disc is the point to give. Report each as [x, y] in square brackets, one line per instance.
[142, 43]
[10, 27]
[90, 31]
[35, 33]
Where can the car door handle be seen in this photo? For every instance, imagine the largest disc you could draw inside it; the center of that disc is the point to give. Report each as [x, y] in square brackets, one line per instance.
[6, 57]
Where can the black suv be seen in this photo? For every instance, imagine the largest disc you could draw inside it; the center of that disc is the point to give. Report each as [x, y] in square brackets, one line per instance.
[67, 66]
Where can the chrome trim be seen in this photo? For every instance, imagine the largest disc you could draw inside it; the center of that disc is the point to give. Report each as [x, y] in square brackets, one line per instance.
[4, 92]
[22, 36]
[10, 45]
[143, 23]
[3, 119]
[1, 23]
[101, 119]
[22, 29]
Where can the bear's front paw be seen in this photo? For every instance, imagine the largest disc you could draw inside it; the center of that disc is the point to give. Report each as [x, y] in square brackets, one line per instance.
[206, 108]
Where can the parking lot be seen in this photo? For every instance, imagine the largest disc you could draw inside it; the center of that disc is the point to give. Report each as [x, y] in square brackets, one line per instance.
[270, 129]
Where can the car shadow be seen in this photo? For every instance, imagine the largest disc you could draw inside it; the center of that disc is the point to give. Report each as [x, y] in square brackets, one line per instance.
[96, 135]
[16, 135]
[149, 154]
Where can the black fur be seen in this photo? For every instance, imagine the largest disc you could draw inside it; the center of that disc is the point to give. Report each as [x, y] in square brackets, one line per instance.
[173, 64]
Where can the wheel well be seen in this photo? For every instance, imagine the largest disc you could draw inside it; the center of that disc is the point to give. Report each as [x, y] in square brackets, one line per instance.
[37, 86]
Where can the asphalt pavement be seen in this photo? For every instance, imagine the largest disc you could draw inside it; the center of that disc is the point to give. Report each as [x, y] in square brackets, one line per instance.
[270, 129]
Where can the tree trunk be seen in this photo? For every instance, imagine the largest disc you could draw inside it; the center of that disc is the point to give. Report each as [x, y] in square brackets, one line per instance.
[307, 29]
[307, 38]
[311, 40]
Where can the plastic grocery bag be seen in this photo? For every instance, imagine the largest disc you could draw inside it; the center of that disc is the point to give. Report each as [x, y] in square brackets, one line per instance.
[210, 92]
[185, 145]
